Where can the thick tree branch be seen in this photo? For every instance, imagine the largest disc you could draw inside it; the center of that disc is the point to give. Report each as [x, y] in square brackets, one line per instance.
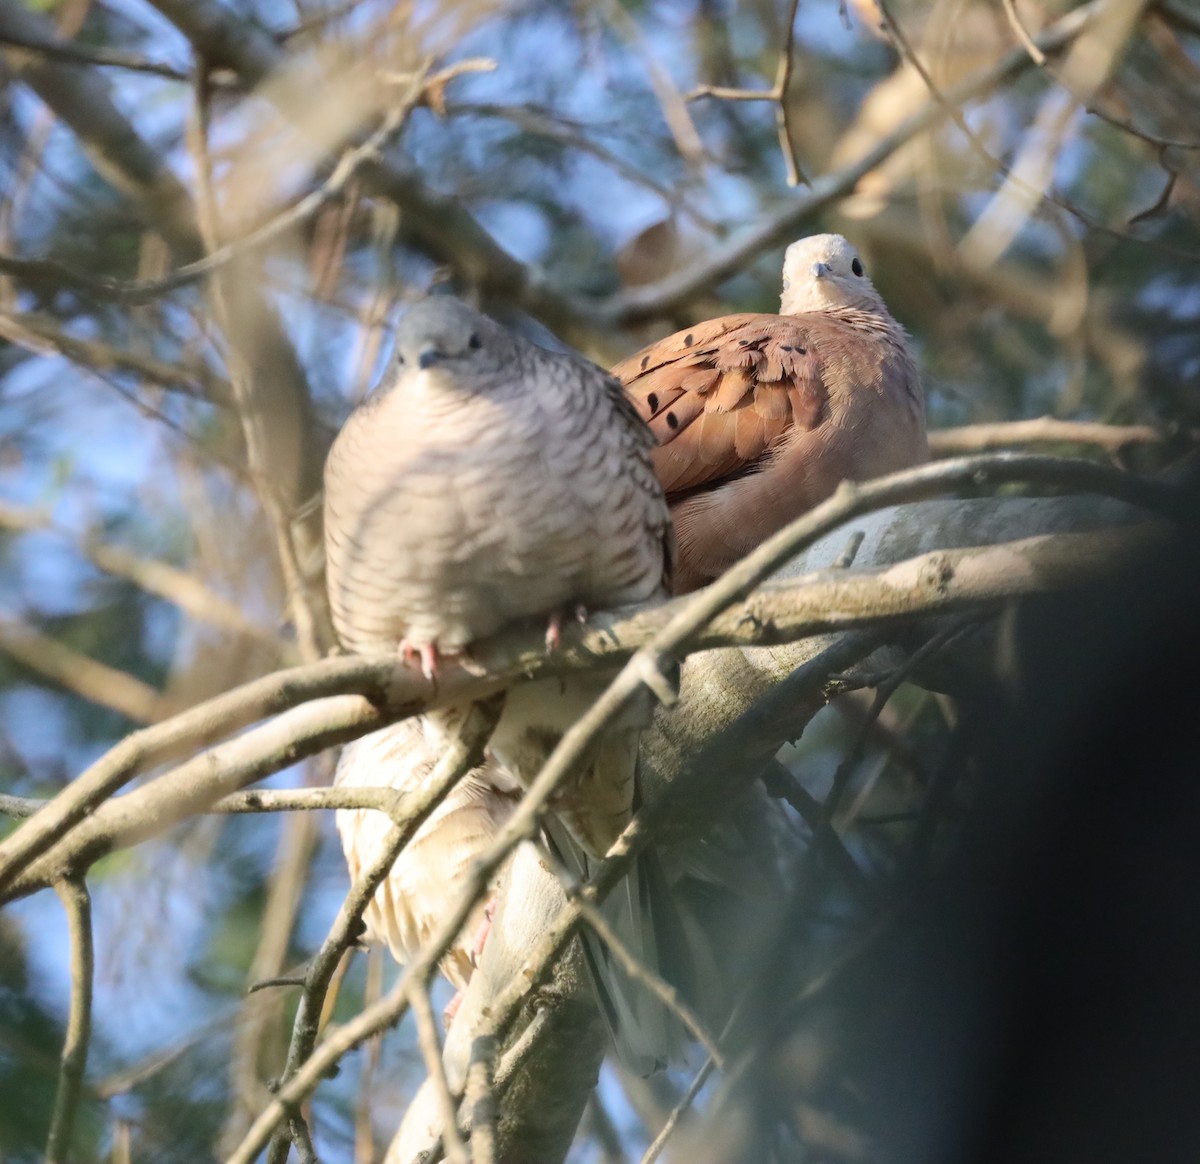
[668, 645]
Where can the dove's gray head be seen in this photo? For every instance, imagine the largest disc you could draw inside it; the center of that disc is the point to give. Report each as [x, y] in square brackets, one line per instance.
[444, 333]
[825, 271]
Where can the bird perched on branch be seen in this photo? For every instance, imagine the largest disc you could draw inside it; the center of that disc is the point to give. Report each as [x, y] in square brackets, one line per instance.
[488, 482]
[760, 417]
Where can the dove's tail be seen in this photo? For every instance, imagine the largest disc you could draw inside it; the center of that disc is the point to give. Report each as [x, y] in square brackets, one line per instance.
[645, 1033]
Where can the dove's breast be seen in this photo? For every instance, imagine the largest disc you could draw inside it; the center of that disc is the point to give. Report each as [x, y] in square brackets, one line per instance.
[449, 516]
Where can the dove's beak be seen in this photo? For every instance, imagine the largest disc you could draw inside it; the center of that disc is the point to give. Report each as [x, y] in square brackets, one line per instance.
[430, 356]
[820, 270]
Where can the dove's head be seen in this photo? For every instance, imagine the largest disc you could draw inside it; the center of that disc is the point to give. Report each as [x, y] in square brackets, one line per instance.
[825, 271]
[443, 333]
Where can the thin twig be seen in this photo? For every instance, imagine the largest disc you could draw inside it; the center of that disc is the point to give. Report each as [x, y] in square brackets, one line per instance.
[465, 753]
[781, 783]
[241, 377]
[783, 77]
[77, 54]
[982, 438]
[431, 1052]
[154, 577]
[659, 1142]
[481, 1100]
[43, 336]
[777, 94]
[934, 645]
[634, 966]
[1022, 33]
[78, 906]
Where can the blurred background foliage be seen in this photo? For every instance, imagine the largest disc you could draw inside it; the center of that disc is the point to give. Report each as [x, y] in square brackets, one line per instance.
[601, 156]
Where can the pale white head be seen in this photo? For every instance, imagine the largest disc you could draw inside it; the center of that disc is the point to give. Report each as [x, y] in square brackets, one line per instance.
[824, 271]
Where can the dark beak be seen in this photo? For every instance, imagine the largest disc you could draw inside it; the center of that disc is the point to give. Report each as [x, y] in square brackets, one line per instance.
[430, 356]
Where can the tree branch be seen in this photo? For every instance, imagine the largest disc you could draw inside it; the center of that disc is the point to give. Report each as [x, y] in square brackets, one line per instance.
[78, 906]
[1113, 438]
[464, 754]
[666, 633]
[84, 676]
[773, 227]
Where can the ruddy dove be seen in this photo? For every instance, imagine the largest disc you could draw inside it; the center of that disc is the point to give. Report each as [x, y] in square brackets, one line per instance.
[760, 417]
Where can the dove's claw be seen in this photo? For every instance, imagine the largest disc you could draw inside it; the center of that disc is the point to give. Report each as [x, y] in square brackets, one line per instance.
[481, 934]
[554, 632]
[554, 627]
[425, 653]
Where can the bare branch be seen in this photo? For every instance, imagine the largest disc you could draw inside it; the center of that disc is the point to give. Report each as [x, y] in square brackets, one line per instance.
[431, 1052]
[668, 633]
[42, 335]
[158, 578]
[78, 54]
[728, 257]
[78, 906]
[636, 969]
[84, 676]
[1113, 438]
[409, 811]
[187, 731]
[653, 1152]
[777, 94]
[481, 1100]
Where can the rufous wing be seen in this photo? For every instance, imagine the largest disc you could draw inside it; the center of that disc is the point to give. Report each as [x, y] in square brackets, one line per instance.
[719, 396]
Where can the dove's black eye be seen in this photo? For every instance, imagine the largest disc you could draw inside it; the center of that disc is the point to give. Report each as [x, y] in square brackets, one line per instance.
[474, 341]
[856, 267]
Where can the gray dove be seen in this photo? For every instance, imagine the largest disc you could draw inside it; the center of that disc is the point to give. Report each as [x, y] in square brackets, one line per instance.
[488, 482]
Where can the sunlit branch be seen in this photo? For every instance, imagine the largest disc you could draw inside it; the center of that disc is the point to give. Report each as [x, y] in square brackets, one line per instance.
[1113, 438]
[410, 810]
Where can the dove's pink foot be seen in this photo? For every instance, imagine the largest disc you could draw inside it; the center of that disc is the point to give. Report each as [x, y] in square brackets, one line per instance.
[481, 934]
[426, 653]
[451, 1009]
[554, 628]
[554, 632]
